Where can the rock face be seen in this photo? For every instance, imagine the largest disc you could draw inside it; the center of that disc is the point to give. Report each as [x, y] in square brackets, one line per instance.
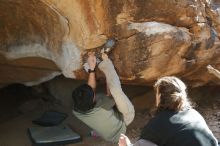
[42, 39]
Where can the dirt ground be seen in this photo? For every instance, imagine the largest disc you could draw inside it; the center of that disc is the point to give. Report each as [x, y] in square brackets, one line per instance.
[18, 110]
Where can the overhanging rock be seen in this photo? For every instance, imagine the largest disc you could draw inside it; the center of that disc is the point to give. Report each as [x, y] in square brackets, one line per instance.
[45, 38]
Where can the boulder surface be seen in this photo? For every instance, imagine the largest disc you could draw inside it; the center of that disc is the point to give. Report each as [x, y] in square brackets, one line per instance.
[41, 39]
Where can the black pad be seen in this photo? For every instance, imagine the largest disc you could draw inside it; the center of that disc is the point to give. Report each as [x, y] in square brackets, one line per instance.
[50, 118]
[53, 136]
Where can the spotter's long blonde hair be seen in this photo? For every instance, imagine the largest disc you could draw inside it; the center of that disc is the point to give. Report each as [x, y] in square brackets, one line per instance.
[173, 95]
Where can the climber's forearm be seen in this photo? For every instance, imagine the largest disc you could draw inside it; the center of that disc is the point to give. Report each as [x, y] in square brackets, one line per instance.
[92, 80]
[92, 65]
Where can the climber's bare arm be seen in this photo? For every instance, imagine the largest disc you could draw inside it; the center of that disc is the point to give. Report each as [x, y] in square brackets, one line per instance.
[213, 71]
[92, 65]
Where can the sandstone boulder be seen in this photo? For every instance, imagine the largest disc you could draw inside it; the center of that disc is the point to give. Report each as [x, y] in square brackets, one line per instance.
[45, 38]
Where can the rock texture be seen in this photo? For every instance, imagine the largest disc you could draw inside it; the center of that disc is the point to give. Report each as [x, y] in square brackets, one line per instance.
[45, 38]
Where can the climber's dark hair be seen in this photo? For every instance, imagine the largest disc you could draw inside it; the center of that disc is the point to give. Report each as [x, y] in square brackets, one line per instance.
[83, 98]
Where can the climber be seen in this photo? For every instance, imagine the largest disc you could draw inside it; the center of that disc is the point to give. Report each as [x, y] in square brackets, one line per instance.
[175, 122]
[97, 109]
